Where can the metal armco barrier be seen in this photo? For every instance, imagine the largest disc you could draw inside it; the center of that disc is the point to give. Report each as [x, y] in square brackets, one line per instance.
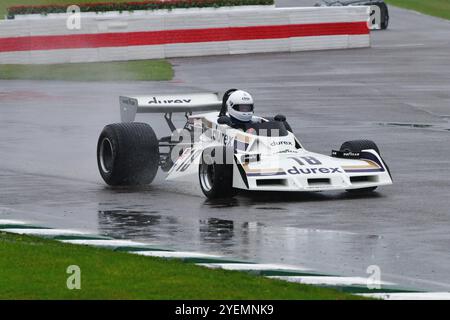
[182, 34]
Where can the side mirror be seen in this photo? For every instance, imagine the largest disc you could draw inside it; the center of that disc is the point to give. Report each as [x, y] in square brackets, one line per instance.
[224, 120]
[280, 117]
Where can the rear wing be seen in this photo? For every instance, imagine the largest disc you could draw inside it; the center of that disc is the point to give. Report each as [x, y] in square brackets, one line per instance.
[167, 104]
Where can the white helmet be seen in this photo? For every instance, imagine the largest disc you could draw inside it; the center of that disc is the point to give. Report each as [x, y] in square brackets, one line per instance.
[240, 105]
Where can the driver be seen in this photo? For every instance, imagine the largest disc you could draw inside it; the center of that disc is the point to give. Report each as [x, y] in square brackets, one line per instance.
[240, 109]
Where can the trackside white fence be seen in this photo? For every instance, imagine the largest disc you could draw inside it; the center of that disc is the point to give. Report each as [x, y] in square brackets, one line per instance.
[182, 34]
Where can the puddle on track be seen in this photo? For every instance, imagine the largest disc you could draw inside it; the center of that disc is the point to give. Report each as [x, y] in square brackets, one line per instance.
[434, 126]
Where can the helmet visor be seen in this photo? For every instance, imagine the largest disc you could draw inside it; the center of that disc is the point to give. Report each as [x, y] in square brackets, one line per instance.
[243, 107]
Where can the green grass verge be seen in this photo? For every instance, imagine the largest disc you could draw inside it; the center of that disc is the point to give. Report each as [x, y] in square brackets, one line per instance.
[141, 70]
[8, 3]
[35, 268]
[437, 8]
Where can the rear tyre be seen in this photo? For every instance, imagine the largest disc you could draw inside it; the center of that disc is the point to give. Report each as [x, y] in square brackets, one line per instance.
[216, 177]
[358, 146]
[128, 154]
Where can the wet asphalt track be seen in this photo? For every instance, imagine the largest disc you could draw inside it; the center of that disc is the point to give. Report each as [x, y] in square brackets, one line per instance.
[48, 173]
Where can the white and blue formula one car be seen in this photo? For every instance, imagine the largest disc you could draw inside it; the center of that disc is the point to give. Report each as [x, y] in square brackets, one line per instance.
[266, 156]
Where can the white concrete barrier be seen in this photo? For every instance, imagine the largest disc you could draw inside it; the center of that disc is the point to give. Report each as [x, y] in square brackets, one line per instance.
[182, 34]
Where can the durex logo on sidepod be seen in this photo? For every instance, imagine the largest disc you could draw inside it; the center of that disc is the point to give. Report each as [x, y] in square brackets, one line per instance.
[279, 143]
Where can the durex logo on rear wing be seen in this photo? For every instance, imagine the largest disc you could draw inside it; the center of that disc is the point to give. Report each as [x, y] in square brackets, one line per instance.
[167, 104]
[154, 100]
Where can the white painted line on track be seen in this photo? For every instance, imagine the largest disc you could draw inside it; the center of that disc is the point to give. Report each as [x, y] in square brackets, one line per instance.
[45, 232]
[106, 243]
[256, 266]
[175, 254]
[12, 222]
[409, 295]
[330, 281]
[402, 45]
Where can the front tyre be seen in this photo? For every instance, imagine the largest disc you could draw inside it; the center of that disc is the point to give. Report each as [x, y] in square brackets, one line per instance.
[216, 174]
[357, 146]
[128, 154]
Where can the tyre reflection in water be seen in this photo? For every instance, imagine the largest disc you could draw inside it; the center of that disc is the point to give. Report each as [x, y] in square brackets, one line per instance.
[215, 230]
[131, 224]
[205, 234]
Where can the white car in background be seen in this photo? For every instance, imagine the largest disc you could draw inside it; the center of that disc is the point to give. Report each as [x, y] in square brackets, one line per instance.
[379, 12]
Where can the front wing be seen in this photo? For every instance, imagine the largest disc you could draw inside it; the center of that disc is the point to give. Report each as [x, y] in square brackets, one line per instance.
[311, 172]
[300, 171]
